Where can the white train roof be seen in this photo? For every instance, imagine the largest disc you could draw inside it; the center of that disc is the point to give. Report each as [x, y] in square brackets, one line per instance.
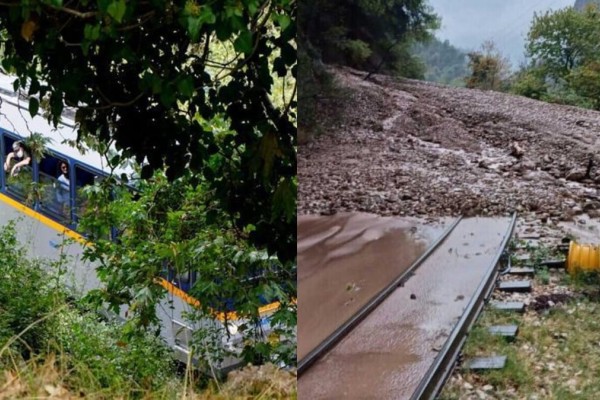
[15, 118]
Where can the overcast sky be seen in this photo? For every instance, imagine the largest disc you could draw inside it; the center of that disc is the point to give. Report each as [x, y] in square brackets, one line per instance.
[468, 23]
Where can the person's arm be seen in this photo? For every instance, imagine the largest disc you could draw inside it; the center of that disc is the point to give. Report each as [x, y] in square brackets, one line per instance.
[8, 158]
[25, 161]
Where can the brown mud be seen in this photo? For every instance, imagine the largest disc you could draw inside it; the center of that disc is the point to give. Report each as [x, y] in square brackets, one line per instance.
[345, 260]
[388, 354]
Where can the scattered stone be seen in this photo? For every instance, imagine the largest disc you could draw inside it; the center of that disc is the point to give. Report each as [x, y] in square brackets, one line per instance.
[516, 150]
[488, 388]
[576, 174]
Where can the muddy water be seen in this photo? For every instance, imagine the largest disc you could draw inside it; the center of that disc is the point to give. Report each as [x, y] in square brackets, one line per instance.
[346, 259]
[387, 355]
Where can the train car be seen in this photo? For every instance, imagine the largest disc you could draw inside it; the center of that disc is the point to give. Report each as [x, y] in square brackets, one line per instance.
[47, 222]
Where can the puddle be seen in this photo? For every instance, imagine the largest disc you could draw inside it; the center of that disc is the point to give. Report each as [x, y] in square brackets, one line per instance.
[346, 259]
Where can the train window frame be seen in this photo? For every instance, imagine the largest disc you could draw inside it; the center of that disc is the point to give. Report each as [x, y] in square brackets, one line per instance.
[65, 218]
[23, 198]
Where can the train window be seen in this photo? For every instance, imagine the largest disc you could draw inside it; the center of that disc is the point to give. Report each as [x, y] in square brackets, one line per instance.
[17, 169]
[55, 184]
[83, 178]
[184, 280]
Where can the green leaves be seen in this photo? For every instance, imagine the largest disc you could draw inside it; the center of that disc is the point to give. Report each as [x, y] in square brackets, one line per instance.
[117, 9]
[34, 106]
[186, 86]
[91, 32]
[284, 200]
[282, 20]
[54, 3]
[204, 15]
[145, 70]
[243, 43]
[563, 47]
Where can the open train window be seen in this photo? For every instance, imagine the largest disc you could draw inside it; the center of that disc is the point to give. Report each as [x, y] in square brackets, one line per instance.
[17, 169]
[55, 188]
[83, 178]
[184, 280]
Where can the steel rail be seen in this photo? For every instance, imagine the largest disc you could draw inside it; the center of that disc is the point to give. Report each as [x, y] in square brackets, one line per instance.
[443, 364]
[346, 327]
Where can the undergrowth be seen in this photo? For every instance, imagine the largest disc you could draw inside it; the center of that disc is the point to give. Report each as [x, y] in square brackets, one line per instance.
[51, 346]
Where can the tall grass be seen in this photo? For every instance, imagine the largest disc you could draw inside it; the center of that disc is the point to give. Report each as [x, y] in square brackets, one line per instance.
[53, 347]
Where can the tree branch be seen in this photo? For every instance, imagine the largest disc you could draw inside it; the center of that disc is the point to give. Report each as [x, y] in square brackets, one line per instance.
[78, 14]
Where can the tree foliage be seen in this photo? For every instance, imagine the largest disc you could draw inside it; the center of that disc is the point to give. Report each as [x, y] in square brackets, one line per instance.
[178, 225]
[372, 35]
[563, 40]
[564, 47]
[142, 77]
[489, 69]
[366, 34]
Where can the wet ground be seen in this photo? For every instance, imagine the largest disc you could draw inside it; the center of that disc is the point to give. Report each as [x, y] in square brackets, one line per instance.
[401, 147]
[387, 355]
[344, 260]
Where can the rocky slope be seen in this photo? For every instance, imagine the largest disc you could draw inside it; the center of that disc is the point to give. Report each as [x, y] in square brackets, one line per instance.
[403, 147]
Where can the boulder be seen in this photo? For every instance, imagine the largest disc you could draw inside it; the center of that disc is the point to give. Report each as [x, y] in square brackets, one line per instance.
[576, 174]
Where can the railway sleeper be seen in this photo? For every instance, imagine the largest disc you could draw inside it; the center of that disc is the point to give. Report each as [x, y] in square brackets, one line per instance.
[511, 306]
[521, 271]
[509, 332]
[552, 264]
[484, 363]
[515, 286]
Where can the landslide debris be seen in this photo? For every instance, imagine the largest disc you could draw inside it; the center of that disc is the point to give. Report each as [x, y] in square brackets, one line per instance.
[412, 148]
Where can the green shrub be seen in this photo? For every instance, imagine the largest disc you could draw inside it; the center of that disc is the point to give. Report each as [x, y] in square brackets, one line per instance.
[357, 51]
[35, 318]
[529, 84]
[25, 297]
[102, 359]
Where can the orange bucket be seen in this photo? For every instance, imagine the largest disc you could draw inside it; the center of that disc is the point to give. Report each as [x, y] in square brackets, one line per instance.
[583, 257]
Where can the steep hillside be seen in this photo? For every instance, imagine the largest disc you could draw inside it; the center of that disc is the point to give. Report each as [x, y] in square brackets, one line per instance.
[403, 147]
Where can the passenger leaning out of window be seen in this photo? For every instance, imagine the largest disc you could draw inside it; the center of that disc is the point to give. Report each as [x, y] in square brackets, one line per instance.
[20, 157]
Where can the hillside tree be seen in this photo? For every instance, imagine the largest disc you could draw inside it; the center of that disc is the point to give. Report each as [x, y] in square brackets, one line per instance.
[489, 68]
[562, 40]
[444, 62]
[564, 51]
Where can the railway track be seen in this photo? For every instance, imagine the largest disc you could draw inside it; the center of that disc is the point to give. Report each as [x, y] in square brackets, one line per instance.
[405, 341]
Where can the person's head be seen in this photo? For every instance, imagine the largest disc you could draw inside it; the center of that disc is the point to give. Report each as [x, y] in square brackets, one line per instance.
[64, 168]
[18, 148]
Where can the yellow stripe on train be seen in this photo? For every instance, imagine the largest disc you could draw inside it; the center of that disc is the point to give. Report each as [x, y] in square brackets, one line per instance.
[221, 316]
[63, 230]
